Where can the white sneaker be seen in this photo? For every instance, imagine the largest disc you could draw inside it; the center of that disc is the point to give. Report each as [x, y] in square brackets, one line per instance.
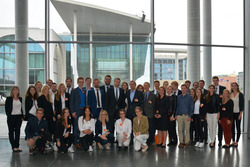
[70, 150]
[55, 147]
[197, 144]
[144, 148]
[201, 145]
[90, 149]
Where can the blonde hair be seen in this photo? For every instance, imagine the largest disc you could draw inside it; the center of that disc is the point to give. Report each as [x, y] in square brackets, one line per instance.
[100, 115]
[12, 93]
[229, 97]
[42, 93]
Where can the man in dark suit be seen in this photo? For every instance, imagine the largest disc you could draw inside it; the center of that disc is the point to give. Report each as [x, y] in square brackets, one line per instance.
[201, 86]
[156, 87]
[96, 99]
[135, 98]
[149, 108]
[176, 91]
[88, 87]
[69, 87]
[114, 102]
[219, 90]
[77, 104]
[107, 81]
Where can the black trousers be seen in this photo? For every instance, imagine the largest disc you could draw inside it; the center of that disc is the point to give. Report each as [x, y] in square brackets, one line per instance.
[199, 128]
[112, 123]
[14, 125]
[66, 143]
[237, 122]
[87, 141]
[151, 124]
[172, 131]
[220, 132]
[192, 130]
[205, 130]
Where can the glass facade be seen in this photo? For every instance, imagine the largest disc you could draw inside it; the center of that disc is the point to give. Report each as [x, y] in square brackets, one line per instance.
[112, 59]
[165, 69]
[7, 64]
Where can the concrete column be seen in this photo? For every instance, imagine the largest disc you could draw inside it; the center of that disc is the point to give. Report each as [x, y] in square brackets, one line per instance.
[22, 54]
[91, 51]
[193, 37]
[207, 39]
[130, 52]
[152, 28]
[176, 66]
[75, 50]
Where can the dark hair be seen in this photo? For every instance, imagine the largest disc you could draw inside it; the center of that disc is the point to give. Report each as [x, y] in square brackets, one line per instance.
[158, 98]
[117, 79]
[68, 79]
[139, 87]
[184, 85]
[63, 119]
[84, 115]
[28, 94]
[202, 81]
[87, 78]
[156, 81]
[195, 83]
[208, 98]
[53, 83]
[80, 78]
[123, 110]
[215, 77]
[238, 89]
[125, 84]
[187, 81]
[108, 76]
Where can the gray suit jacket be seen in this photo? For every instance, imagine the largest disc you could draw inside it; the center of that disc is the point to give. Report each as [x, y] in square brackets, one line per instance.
[149, 105]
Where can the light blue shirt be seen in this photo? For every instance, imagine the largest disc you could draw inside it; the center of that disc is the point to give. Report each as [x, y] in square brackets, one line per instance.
[132, 94]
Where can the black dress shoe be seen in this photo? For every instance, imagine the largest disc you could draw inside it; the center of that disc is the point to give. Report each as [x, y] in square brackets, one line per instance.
[225, 146]
[170, 144]
[119, 148]
[220, 144]
[159, 145]
[125, 148]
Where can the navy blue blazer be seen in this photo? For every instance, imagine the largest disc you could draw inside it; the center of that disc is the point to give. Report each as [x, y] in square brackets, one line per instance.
[75, 100]
[98, 127]
[92, 102]
[34, 129]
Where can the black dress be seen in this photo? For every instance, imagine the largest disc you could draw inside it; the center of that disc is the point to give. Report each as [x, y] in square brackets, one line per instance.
[161, 108]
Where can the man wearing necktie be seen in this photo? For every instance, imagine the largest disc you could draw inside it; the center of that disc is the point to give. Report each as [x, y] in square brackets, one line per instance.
[68, 85]
[96, 99]
[219, 90]
[114, 102]
[156, 87]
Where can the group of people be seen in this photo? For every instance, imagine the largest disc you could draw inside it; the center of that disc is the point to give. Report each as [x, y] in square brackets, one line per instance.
[60, 116]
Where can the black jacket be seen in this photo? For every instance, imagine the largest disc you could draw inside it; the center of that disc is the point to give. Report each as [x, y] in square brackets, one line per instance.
[28, 105]
[9, 105]
[34, 129]
[60, 129]
[203, 108]
[226, 110]
[162, 106]
[112, 105]
[46, 106]
[58, 104]
[138, 100]
[172, 104]
[214, 104]
[98, 127]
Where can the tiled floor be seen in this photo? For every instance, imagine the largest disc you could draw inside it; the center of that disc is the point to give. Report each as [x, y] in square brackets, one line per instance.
[171, 156]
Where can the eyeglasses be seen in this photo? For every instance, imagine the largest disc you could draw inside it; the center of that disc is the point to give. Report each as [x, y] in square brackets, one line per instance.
[104, 114]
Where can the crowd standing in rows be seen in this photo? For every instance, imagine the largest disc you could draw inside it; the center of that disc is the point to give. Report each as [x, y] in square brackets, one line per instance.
[61, 116]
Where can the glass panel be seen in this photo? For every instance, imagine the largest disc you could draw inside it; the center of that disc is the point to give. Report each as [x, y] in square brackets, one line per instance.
[9, 76]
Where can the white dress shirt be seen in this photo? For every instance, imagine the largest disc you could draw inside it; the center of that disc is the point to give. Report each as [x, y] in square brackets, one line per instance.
[100, 99]
[83, 125]
[217, 89]
[68, 90]
[16, 107]
[126, 126]
[53, 95]
[197, 107]
[118, 92]
[236, 102]
[63, 101]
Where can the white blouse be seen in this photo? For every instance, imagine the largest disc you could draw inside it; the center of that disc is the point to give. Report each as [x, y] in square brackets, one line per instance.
[126, 126]
[83, 125]
[197, 107]
[236, 102]
[16, 107]
[34, 108]
[63, 101]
